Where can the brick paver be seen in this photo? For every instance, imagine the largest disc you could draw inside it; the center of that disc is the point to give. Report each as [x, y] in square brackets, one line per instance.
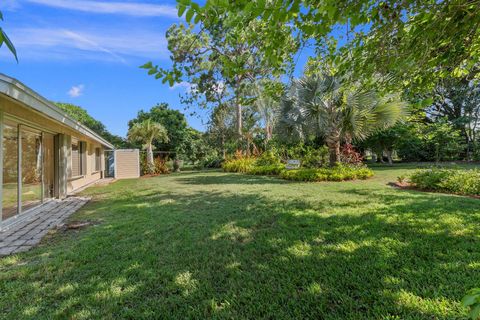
[28, 233]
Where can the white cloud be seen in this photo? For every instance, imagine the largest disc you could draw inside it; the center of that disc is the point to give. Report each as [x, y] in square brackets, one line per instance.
[182, 85]
[9, 5]
[76, 91]
[123, 8]
[66, 44]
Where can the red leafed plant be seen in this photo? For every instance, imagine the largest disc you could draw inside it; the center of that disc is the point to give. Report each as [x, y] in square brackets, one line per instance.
[349, 155]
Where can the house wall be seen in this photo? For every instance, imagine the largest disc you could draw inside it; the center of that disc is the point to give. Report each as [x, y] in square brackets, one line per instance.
[91, 175]
[20, 113]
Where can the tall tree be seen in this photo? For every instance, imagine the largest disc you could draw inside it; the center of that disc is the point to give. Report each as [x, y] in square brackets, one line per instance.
[5, 39]
[340, 111]
[267, 103]
[220, 59]
[146, 132]
[458, 102]
[220, 126]
[174, 122]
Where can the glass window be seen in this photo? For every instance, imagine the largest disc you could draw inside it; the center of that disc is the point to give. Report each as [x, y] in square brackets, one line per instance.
[10, 170]
[98, 159]
[31, 168]
[76, 158]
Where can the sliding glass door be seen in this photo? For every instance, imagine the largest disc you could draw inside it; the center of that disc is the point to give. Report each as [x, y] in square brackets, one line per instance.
[31, 168]
[10, 170]
[28, 168]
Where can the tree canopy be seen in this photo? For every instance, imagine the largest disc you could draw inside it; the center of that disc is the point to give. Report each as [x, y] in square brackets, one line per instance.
[82, 116]
[417, 41]
[172, 120]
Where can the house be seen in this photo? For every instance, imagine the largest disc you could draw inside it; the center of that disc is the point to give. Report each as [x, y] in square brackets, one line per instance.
[45, 154]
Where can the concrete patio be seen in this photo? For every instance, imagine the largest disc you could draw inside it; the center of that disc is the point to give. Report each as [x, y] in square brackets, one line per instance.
[27, 233]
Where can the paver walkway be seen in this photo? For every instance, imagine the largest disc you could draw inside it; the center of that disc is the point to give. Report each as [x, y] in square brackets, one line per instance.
[28, 233]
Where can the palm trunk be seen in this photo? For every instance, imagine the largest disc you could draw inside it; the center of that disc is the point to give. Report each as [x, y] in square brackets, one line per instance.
[150, 157]
[333, 143]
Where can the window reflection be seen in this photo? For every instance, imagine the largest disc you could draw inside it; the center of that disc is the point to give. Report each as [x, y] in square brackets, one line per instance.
[31, 169]
[10, 170]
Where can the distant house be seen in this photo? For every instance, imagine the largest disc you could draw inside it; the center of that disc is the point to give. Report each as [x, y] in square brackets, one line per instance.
[45, 154]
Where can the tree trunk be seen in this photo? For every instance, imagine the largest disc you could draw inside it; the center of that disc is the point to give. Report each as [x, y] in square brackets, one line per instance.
[224, 152]
[380, 157]
[389, 156]
[268, 133]
[333, 144]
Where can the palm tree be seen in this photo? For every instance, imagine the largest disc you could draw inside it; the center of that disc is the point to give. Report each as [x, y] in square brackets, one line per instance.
[146, 132]
[323, 104]
[267, 108]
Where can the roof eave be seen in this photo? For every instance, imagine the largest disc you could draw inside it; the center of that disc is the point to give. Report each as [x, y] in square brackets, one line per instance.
[20, 92]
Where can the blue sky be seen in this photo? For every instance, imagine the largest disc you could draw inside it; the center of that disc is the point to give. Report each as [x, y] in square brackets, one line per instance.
[87, 52]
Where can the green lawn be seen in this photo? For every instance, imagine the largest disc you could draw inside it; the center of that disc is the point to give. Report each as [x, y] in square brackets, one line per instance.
[217, 245]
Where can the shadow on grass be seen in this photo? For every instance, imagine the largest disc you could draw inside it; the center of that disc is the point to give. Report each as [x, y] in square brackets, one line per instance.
[231, 178]
[212, 254]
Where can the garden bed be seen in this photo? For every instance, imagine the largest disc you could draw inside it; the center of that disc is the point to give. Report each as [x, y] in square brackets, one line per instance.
[341, 172]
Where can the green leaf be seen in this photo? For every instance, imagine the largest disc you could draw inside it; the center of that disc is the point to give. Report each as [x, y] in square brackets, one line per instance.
[152, 71]
[189, 15]
[147, 65]
[181, 9]
[1, 15]
[9, 43]
[197, 19]
[468, 300]
[474, 314]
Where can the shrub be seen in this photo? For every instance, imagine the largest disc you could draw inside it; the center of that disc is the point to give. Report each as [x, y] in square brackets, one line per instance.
[244, 165]
[160, 166]
[448, 180]
[349, 155]
[213, 163]
[315, 158]
[268, 170]
[268, 158]
[338, 173]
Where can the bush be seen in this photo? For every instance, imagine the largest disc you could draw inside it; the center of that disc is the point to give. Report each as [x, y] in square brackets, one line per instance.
[341, 172]
[268, 170]
[213, 163]
[268, 158]
[243, 165]
[315, 158]
[338, 173]
[349, 155]
[160, 166]
[458, 181]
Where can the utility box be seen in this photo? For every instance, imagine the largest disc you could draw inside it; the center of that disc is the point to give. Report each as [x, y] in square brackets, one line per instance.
[126, 163]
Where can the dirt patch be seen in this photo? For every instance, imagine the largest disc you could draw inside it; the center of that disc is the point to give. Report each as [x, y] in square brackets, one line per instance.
[77, 225]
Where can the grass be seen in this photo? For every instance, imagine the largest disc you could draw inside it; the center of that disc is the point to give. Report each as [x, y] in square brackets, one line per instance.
[231, 246]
